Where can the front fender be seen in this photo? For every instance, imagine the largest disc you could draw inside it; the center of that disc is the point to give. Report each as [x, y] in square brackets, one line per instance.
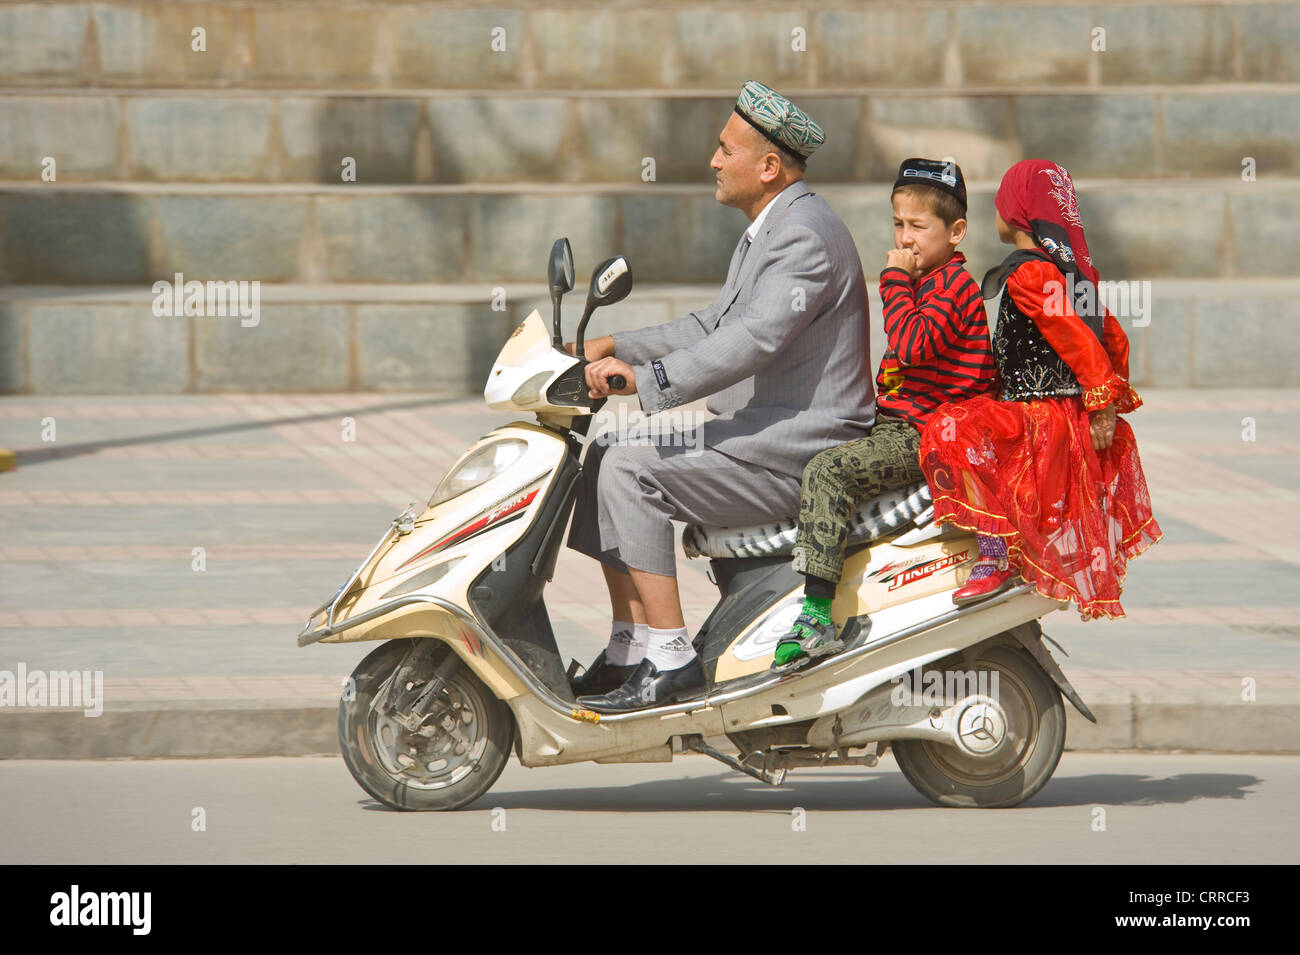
[425, 616]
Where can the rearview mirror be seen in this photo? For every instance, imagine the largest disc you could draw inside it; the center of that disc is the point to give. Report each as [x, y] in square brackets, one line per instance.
[559, 276]
[610, 282]
[559, 273]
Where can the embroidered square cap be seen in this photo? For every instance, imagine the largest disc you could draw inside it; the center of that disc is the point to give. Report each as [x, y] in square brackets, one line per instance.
[945, 176]
[779, 120]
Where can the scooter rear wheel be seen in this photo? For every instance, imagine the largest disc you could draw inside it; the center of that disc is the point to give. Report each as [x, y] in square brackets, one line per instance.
[1023, 761]
[466, 748]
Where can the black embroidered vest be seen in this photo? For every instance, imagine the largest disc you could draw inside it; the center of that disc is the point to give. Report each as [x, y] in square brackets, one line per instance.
[1029, 367]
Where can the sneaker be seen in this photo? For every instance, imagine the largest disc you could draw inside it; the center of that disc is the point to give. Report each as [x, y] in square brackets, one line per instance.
[812, 638]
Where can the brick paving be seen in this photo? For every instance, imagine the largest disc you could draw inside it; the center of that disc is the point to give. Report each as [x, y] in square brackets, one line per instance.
[98, 531]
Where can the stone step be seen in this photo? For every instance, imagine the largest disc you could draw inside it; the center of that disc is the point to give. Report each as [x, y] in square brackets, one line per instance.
[137, 233]
[661, 44]
[444, 338]
[302, 136]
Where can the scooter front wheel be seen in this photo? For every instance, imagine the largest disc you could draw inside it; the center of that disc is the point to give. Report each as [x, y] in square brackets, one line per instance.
[1029, 741]
[446, 763]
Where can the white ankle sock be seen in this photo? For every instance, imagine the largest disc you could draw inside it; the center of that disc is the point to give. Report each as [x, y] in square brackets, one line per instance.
[627, 643]
[669, 649]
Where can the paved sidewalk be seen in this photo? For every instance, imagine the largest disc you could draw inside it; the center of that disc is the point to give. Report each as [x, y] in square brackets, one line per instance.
[99, 530]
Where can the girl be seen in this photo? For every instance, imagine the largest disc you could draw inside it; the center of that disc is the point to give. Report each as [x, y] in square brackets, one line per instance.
[1048, 476]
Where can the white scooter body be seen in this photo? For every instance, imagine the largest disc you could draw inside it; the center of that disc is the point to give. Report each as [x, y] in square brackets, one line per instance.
[468, 573]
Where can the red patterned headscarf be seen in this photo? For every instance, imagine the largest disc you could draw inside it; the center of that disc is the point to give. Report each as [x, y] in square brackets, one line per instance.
[1038, 197]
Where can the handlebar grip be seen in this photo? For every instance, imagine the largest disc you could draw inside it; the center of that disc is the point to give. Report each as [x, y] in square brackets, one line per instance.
[616, 382]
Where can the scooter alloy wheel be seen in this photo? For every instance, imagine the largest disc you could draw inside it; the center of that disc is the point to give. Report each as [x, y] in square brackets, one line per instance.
[1012, 747]
[451, 760]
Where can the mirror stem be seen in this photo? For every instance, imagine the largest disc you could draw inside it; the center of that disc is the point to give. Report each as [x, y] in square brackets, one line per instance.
[557, 337]
[579, 346]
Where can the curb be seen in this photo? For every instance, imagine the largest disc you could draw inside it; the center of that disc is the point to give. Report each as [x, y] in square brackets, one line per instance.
[200, 730]
[1155, 725]
[1196, 721]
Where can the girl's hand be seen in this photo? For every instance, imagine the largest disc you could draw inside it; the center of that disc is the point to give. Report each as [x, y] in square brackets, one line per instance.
[1102, 426]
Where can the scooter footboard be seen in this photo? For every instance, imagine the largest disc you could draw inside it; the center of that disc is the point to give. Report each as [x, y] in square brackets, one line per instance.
[843, 680]
[547, 738]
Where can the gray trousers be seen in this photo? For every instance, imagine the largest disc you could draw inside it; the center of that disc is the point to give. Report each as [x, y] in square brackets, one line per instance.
[628, 494]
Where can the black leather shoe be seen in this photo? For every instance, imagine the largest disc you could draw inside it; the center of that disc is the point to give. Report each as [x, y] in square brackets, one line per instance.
[650, 686]
[600, 677]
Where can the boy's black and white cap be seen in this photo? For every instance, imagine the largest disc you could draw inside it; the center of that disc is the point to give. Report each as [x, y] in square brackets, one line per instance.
[933, 172]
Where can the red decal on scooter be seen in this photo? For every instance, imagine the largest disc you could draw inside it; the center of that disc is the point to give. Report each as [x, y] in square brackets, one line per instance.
[504, 510]
[913, 574]
[884, 573]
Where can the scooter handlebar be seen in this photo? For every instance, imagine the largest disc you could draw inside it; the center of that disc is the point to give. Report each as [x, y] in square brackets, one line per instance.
[615, 382]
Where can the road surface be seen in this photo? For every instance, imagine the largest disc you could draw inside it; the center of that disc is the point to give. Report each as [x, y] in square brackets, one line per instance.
[1165, 808]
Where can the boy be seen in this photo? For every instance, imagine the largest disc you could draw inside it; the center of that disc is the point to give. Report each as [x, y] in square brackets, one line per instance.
[938, 351]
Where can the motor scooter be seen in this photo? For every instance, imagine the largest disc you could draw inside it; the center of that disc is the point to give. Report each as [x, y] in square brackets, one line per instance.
[468, 669]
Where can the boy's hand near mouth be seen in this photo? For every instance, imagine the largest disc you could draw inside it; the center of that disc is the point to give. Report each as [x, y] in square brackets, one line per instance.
[904, 259]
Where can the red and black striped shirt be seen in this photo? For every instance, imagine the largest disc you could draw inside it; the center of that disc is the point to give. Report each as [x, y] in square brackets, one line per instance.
[938, 342]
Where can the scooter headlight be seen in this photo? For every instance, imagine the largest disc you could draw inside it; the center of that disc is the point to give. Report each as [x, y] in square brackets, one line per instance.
[479, 468]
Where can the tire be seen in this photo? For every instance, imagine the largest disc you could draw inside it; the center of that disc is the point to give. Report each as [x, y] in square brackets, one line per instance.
[451, 772]
[1035, 732]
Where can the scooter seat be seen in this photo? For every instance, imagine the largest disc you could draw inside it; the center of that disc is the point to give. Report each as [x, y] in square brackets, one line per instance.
[876, 518]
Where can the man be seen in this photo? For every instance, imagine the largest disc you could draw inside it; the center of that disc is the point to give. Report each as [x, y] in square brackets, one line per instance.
[783, 352]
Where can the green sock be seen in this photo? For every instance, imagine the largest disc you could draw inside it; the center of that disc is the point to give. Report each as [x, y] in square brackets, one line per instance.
[819, 609]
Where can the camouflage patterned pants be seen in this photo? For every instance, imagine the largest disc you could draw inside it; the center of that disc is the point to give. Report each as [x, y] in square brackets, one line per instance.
[836, 481]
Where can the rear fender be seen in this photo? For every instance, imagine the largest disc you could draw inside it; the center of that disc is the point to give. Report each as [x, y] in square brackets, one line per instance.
[1030, 636]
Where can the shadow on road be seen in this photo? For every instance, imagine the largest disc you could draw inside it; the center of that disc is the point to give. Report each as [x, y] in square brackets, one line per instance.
[1125, 790]
[850, 792]
[30, 456]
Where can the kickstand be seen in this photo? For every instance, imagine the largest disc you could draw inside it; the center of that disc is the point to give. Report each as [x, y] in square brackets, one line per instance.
[697, 744]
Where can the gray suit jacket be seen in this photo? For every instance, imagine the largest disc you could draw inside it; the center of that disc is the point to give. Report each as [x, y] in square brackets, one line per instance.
[784, 349]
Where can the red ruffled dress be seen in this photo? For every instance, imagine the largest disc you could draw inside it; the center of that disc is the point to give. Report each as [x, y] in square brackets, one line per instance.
[1023, 468]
